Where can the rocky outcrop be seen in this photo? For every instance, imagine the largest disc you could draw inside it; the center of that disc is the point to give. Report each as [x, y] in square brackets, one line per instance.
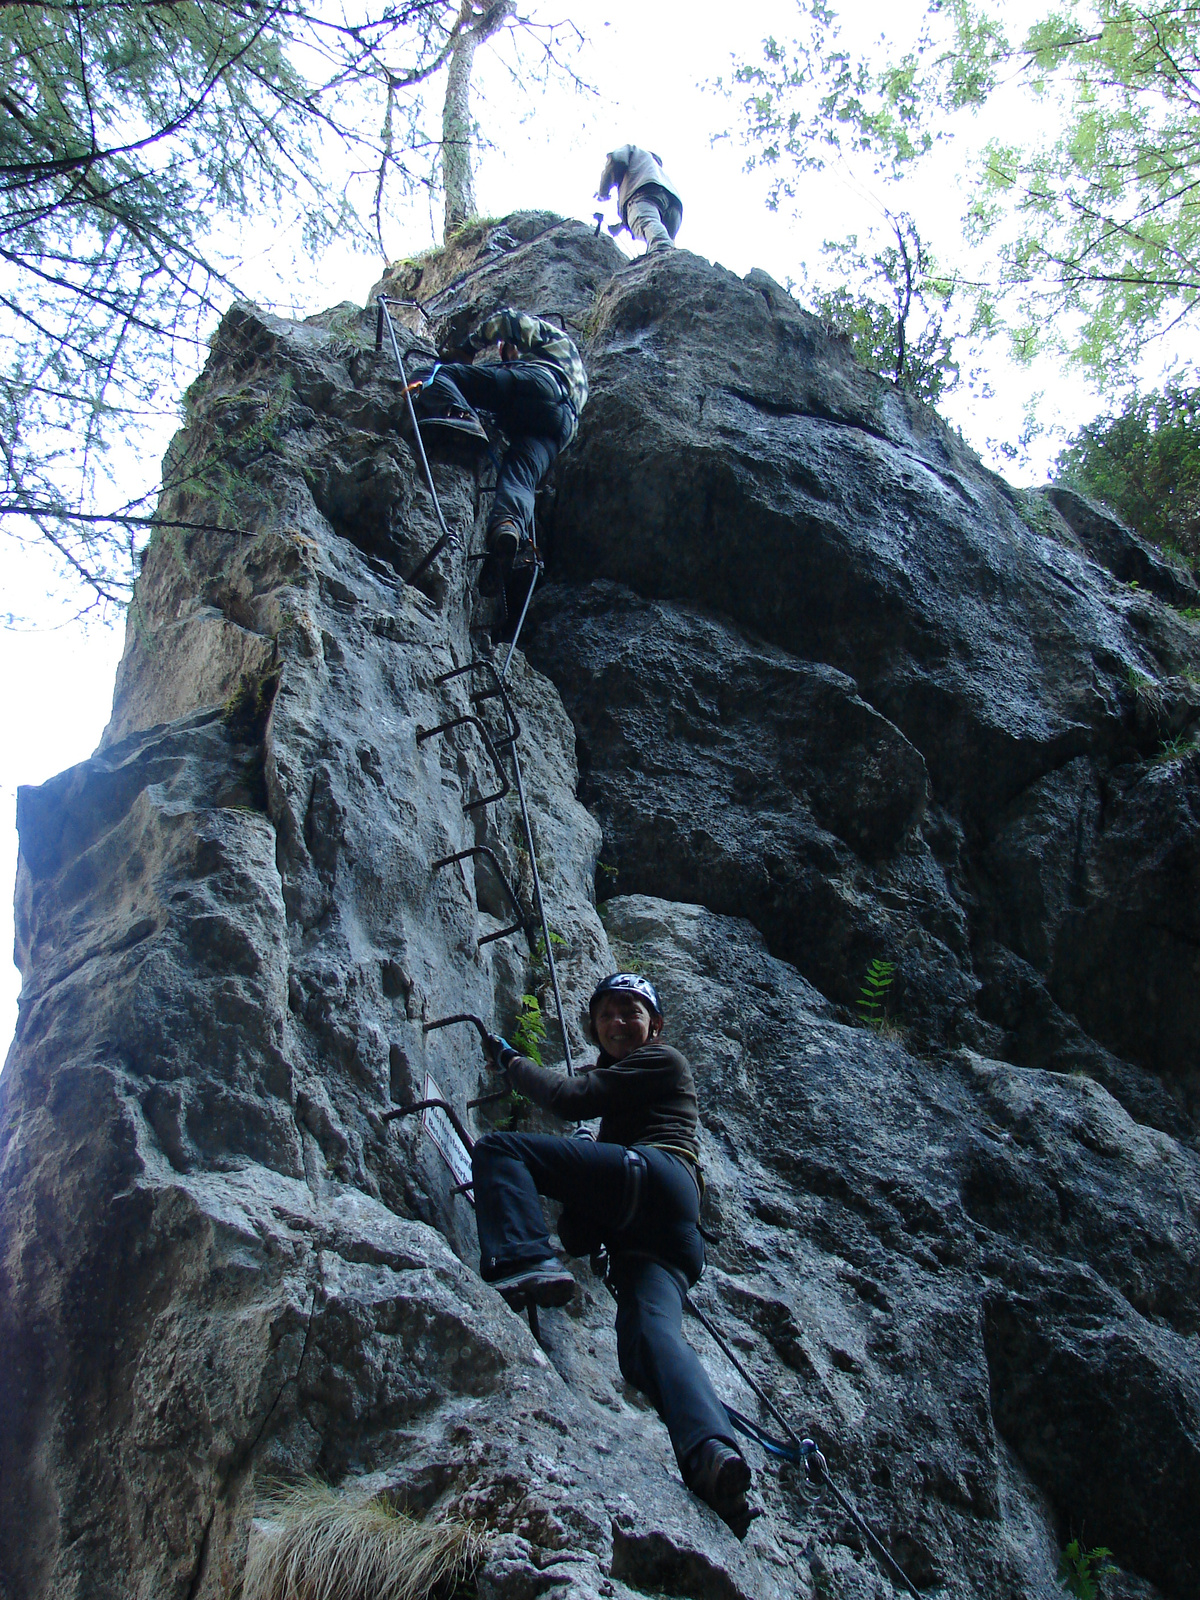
[809, 688]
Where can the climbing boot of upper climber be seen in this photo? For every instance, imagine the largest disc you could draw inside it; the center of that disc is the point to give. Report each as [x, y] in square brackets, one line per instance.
[458, 427]
[545, 1283]
[504, 540]
[441, 409]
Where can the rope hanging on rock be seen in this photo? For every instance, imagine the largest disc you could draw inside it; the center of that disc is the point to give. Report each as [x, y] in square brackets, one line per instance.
[804, 1453]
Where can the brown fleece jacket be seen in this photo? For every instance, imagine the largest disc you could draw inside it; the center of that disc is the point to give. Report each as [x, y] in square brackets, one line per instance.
[649, 1098]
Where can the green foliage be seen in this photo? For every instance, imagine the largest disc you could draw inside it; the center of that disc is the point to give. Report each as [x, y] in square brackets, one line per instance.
[515, 1108]
[135, 142]
[1087, 239]
[529, 1028]
[872, 997]
[350, 329]
[128, 131]
[1143, 461]
[627, 958]
[246, 711]
[538, 956]
[807, 101]
[1099, 223]
[1080, 1571]
[1034, 511]
[882, 336]
[1146, 692]
[471, 232]
[1108, 222]
[1176, 749]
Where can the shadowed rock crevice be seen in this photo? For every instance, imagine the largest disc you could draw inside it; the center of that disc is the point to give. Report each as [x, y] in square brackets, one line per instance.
[1058, 1362]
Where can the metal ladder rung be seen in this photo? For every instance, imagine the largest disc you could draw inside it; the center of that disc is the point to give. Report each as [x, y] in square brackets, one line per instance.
[522, 926]
[433, 1105]
[458, 722]
[489, 1099]
[503, 933]
[498, 691]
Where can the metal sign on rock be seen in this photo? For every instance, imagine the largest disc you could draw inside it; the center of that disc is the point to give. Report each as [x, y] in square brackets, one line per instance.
[451, 1148]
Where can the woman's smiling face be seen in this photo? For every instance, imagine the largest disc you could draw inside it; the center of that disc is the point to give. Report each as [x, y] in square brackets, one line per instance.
[623, 1023]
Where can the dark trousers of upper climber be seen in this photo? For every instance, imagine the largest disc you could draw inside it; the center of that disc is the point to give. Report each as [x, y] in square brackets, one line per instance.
[655, 1255]
[531, 405]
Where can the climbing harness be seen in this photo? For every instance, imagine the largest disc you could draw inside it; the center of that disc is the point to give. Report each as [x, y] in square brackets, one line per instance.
[635, 1183]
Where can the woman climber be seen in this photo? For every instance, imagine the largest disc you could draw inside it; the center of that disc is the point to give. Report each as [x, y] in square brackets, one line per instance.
[636, 1190]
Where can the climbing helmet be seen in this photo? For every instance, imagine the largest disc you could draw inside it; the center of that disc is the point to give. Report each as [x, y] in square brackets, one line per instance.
[626, 983]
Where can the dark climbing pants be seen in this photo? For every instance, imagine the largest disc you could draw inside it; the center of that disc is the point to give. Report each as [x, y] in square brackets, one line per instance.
[656, 1252]
[528, 402]
[657, 1359]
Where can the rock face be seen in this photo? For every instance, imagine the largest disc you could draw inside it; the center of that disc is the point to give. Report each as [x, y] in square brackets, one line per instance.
[808, 689]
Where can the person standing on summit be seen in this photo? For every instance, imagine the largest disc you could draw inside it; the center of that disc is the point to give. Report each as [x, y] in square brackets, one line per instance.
[647, 200]
[535, 391]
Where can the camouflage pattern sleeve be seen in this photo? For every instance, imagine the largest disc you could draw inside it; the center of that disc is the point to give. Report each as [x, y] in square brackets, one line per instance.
[539, 341]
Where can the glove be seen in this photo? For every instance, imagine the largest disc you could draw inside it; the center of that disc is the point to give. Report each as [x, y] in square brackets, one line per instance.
[500, 1053]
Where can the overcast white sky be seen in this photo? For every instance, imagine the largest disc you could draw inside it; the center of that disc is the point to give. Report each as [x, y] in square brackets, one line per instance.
[649, 61]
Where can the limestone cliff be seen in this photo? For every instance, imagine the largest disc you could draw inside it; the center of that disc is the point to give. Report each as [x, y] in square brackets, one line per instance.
[807, 688]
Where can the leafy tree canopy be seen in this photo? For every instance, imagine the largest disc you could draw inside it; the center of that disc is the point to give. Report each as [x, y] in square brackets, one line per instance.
[136, 140]
[1107, 214]
[1088, 239]
[1144, 462]
[901, 338]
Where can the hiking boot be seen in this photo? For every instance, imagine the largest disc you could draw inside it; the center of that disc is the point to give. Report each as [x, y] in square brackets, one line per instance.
[504, 540]
[526, 557]
[544, 1283]
[457, 426]
[439, 398]
[720, 1475]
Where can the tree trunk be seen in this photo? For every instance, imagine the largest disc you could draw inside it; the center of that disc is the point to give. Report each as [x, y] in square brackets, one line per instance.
[474, 26]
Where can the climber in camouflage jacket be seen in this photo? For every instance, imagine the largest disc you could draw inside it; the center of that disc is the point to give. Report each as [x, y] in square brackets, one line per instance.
[538, 341]
[535, 392]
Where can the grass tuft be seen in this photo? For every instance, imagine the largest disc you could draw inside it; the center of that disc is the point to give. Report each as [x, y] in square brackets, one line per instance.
[320, 1544]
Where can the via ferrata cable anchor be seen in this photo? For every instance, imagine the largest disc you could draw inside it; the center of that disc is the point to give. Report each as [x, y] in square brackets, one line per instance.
[384, 325]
